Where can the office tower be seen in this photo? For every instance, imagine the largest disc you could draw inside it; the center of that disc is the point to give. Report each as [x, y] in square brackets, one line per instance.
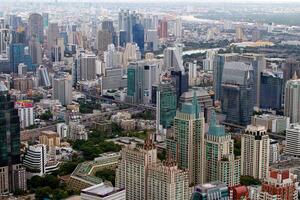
[25, 113]
[138, 36]
[151, 40]
[163, 28]
[180, 81]
[173, 58]
[14, 22]
[35, 159]
[12, 173]
[60, 45]
[292, 99]
[289, 68]
[62, 88]
[279, 184]
[36, 27]
[189, 140]
[104, 38]
[52, 35]
[16, 56]
[166, 104]
[86, 67]
[178, 28]
[167, 182]
[132, 171]
[220, 164]
[4, 41]
[43, 76]
[18, 36]
[237, 92]
[114, 78]
[45, 19]
[141, 75]
[292, 140]
[255, 145]
[122, 38]
[126, 22]
[107, 25]
[214, 190]
[271, 90]
[35, 51]
[112, 57]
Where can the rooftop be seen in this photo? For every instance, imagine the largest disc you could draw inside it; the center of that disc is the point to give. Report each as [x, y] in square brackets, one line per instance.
[102, 189]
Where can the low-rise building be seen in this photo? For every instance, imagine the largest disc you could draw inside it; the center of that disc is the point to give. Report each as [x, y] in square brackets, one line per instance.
[50, 139]
[213, 190]
[272, 123]
[103, 191]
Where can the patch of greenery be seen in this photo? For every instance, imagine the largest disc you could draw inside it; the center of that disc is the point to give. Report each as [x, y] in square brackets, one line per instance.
[237, 147]
[95, 145]
[107, 174]
[249, 180]
[146, 115]
[46, 115]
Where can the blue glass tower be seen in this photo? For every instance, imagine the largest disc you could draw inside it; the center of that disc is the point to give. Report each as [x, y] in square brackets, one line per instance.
[138, 36]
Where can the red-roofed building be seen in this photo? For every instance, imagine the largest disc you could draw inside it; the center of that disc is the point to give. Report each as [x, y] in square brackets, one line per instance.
[239, 192]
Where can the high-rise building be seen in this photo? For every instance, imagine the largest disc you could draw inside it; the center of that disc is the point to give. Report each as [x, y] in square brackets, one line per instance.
[213, 190]
[25, 112]
[173, 58]
[131, 53]
[62, 88]
[255, 145]
[151, 40]
[274, 151]
[4, 41]
[271, 90]
[12, 172]
[45, 19]
[293, 140]
[104, 38]
[141, 75]
[279, 184]
[163, 28]
[16, 56]
[167, 182]
[36, 27]
[220, 164]
[35, 51]
[237, 92]
[290, 67]
[132, 172]
[178, 28]
[126, 22]
[166, 104]
[43, 76]
[86, 67]
[138, 36]
[52, 35]
[188, 143]
[292, 99]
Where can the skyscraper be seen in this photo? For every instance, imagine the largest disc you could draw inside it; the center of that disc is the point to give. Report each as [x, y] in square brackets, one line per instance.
[12, 173]
[132, 172]
[173, 58]
[86, 67]
[178, 28]
[292, 99]
[138, 36]
[255, 145]
[163, 28]
[237, 92]
[104, 38]
[36, 27]
[293, 140]
[220, 164]
[126, 22]
[35, 51]
[189, 141]
[52, 35]
[166, 104]
[43, 76]
[4, 41]
[62, 88]
[271, 90]
[167, 182]
[16, 56]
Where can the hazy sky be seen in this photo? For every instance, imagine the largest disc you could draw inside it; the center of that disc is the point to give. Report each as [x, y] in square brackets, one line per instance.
[227, 1]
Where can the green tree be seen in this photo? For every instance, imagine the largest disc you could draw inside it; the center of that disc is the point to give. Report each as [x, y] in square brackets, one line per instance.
[249, 180]
[107, 174]
[43, 192]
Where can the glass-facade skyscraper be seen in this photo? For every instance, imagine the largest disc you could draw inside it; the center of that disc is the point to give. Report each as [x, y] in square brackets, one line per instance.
[138, 36]
[12, 173]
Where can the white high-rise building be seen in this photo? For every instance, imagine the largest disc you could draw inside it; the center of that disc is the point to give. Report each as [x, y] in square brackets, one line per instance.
[178, 28]
[131, 53]
[4, 41]
[255, 155]
[62, 88]
[208, 62]
[151, 40]
[192, 73]
[52, 35]
[35, 158]
[25, 112]
[43, 76]
[86, 67]
[293, 140]
[292, 99]
[112, 57]
[63, 130]
[173, 58]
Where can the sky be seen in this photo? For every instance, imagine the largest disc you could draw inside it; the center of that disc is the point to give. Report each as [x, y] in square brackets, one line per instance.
[134, 1]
